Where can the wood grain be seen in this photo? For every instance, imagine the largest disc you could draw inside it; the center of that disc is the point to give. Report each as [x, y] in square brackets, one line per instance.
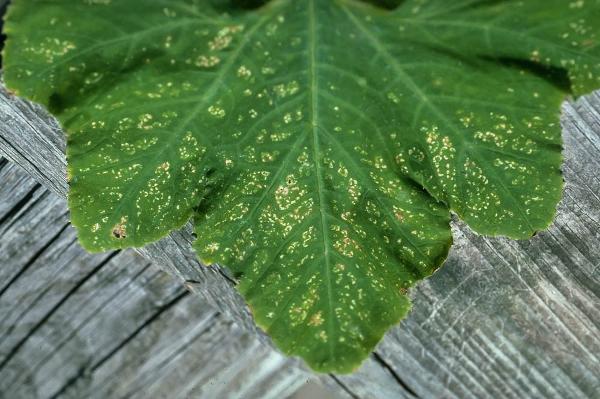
[502, 318]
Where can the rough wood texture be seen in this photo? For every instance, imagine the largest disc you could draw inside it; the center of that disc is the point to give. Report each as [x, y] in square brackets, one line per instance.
[515, 319]
[75, 325]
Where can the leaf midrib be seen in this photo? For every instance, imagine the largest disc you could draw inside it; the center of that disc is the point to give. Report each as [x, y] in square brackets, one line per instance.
[314, 125]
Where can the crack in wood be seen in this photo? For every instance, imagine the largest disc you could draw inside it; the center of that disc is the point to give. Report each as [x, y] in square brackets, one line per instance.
[41, 322]
[33, 259]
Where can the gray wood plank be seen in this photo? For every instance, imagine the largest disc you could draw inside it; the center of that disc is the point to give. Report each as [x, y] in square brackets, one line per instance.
[226, 374]
[17, 228]
[77, 325]
[501, 319]
[17, 189]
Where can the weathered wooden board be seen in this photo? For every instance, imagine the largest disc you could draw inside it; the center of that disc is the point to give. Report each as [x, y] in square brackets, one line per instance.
[501, 319]
[75, 325]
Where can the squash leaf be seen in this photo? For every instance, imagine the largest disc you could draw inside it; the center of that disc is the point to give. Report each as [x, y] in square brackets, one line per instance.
[319, 144]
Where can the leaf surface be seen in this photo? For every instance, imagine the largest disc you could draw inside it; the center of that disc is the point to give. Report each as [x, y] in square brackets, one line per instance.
[320, 145]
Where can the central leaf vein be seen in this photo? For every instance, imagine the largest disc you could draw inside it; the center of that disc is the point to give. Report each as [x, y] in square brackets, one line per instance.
[314, 128]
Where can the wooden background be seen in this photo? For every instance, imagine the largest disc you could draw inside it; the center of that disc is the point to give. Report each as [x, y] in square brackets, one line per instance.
[501, 319]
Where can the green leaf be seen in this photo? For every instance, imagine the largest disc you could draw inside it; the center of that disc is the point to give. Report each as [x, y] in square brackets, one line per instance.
[320, 144]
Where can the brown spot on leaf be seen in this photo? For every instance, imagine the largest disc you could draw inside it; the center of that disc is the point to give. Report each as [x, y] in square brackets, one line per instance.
[316, 319]
[399, 216]
[120, 229]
